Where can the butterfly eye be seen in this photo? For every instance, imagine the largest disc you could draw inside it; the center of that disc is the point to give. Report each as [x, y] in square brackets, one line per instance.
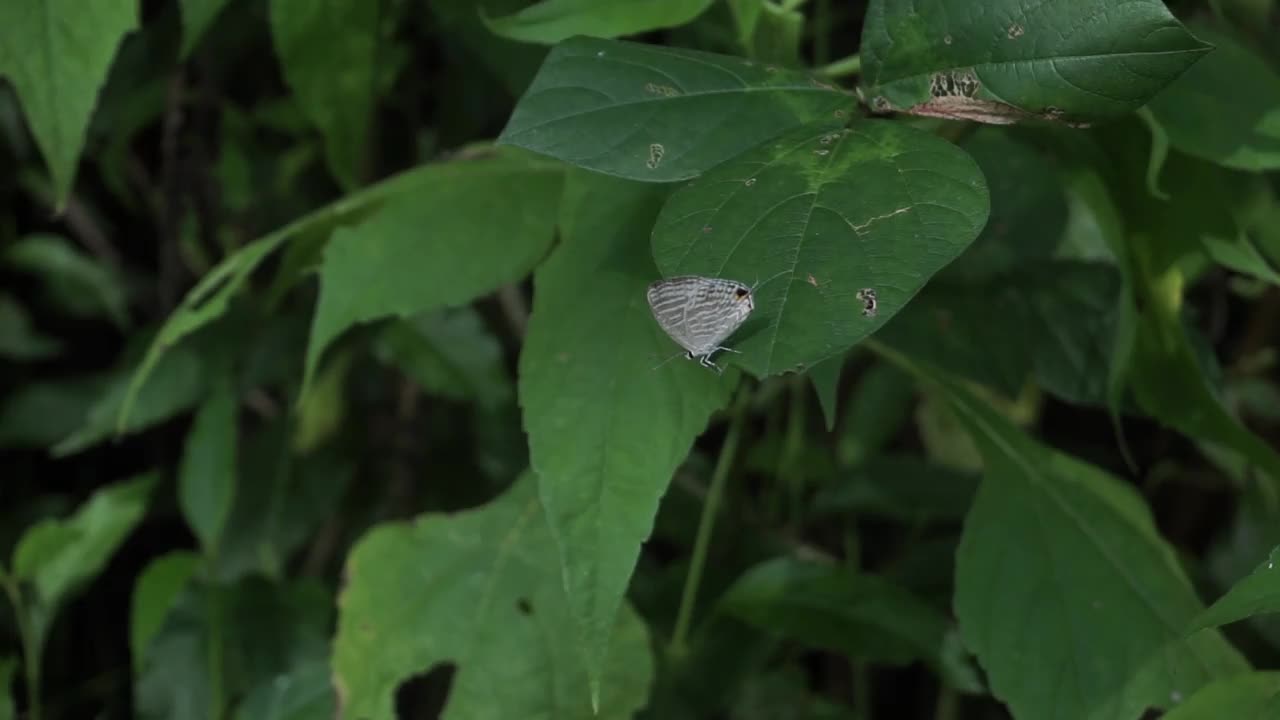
[741, 293]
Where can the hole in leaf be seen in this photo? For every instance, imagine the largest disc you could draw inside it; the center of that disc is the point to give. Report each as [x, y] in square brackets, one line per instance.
[423, 695]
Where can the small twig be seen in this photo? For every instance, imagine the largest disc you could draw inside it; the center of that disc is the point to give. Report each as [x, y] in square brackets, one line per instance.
[851, 65]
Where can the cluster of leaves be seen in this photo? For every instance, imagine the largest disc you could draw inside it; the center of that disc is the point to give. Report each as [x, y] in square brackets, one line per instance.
[401, 454]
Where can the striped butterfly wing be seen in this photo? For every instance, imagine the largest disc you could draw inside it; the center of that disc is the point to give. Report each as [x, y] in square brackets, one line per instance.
[700, 313]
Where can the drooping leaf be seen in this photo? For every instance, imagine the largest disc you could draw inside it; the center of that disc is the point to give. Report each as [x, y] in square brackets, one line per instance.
[1250, 695]
[1076, 61]
[879, 407]
[210, 299]
[660, 114]
[480, 589]
[449, 353]
[442, 247]
[328, 52]
[58, 556]
[154, 595]
[207, 478]
[860, 615]
[197, 16]
[1225, 108]
[606, 430]
[74, 281]
[1054, 322]
[840, 228]
[1254, 595]
[302, 693]
[901, 487]
[1055, 535]
[825, 377]
[551, 21]
[56, 54]
[19, 340]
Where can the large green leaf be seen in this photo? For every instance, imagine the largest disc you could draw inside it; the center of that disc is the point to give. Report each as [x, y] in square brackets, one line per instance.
[862, 616]
[207, 479]
[551, 21]
[210, 299]
[1256, 594]
[1251, 695]
[606, 429]
[479, 589]
[302, 693]
[1226, 108]
[660, 114]
[440, 247]
[1071, 600]
[328, 52]
[823, 219]
[1076, 61]
[56, 53]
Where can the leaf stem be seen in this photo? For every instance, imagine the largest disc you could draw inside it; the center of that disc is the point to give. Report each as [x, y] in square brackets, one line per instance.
[31, 649]
[851, 65]
[710, 507]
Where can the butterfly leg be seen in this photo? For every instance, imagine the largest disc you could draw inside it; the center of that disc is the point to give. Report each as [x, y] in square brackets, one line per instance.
[705, 361]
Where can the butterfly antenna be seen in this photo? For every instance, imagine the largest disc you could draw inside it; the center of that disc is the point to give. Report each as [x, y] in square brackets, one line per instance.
[769, 280]
[664, 362]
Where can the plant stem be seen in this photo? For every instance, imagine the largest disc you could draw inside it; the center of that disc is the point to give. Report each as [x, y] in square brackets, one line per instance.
[31, 650]
[851, 65]
[710, 507]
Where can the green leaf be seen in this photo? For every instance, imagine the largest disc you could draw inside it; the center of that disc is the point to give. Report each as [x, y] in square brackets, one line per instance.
[449, 353]
[154, 595]
[58, 556]
[179, 381]
[1251, 695]
[550, 21]
[767, 32]
[906, 488]
[8, 668]
[825, 377]
[56, 54]
[444, 246]
[74, 281]
[222, 641]
[207, 478]
[279, 501]
[824, 218]
[39, 414]
[881, 404]
[1226, 108]
[19, 341]
[211, 297]
[660, 114]
[303, 693]
[1028, 209]
[606, 430]
[1077, 62]
[1254, 595]
[1053, 321]
[197, 16]
[479, 589]
[1055, 535]
[328, 52]
[862, 616]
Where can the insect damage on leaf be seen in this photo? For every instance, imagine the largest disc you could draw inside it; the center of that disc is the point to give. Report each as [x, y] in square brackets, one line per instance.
[656, 151]
[955, 95]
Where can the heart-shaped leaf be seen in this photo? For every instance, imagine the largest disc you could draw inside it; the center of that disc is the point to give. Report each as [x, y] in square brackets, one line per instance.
[1076, 61]
[841, 227]
[660, 114]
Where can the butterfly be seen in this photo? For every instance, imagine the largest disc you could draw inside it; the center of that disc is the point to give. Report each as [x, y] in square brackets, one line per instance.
[699, 313]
